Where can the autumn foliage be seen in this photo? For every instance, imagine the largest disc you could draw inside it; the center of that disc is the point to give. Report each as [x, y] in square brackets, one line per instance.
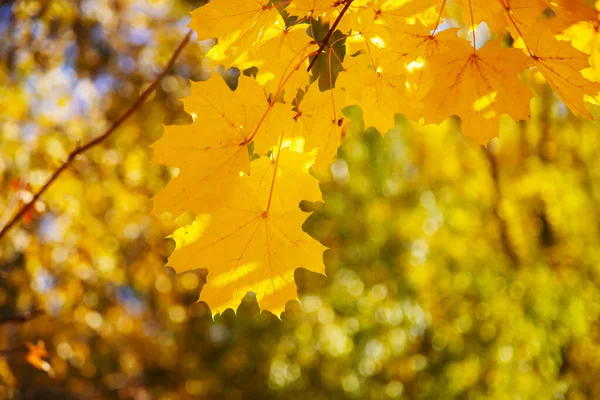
[254, 153]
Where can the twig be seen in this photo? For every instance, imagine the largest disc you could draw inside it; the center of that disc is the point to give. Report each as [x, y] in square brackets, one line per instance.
[325, 41]
[14, 351]
[81, 149]
[504, 236]
[23, 317]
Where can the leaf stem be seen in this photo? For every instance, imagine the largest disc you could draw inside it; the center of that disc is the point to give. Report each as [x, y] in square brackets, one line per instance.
[81, 149]
[274, 100]
[514, 23]
[439, 18]
[473, 27]
[505, 241]
[325, 40]
[22, 317]
[266, 213]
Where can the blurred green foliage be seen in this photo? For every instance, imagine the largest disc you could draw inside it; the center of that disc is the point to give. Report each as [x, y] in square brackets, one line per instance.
[453, 271]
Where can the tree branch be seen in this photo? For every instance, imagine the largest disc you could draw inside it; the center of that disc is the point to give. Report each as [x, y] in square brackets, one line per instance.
[23, 317]
[81, 149]
[505, 241]
[325, 40]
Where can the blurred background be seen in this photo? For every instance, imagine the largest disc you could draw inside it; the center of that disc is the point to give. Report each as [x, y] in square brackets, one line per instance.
[453, 271]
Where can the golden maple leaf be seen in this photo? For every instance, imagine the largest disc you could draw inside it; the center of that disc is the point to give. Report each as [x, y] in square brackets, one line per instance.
[561, 64]
[281, 58]
[254, 241]
[390, 10]
[318, 119]
[314, 8]
[478, 86]
[211, 152]
[381, 92]
[236, 28]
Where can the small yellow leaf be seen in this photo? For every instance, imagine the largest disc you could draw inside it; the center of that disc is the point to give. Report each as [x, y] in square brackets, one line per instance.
[35, 356]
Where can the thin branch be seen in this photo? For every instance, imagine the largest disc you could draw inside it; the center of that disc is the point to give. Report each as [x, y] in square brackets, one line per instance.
[439, 18]
[505, 241]
[13, 351]
[22, 317]
[325, 41]
[509, 15]
[81, 149]
[473, 27]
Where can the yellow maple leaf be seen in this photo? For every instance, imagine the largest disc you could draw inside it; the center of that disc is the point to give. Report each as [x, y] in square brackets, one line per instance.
[318, 119]
[569, 12]
[584, 36]
[380, 92]
[502, 14]
[255, 242]
[282, 58]
[490, 11]
[561, 64]
[325, 9]
[236, 28]
[390, 67]
[520, 16]
[211, 152]
[478, 86]
[365, 29]
[392, 9]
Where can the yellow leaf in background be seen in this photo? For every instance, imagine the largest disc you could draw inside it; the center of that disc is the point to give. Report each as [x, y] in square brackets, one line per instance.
[35, 356]
[584, 36]
[6, 375]
[255, 242]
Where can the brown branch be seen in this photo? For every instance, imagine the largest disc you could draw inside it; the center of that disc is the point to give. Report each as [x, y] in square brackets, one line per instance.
[14, 351]
[505, 241]
[23, 317]
[81, 149]
[325, 40]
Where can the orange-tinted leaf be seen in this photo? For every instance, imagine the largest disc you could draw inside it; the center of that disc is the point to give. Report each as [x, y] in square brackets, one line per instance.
[35, 355]
[478, 86]
[561, 65]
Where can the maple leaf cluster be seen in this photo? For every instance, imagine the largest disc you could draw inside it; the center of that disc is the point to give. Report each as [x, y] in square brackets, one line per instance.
[244, 161]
